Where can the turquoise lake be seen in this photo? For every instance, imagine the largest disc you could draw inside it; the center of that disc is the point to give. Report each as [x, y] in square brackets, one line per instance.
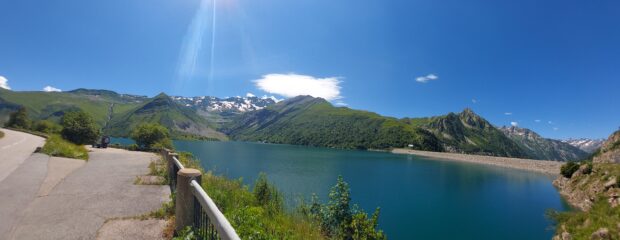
[419, 198]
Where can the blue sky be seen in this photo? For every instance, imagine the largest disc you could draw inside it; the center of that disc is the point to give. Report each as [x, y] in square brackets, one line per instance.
[555, 61]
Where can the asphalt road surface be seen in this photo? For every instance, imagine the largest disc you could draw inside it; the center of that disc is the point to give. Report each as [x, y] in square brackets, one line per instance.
[59, 198]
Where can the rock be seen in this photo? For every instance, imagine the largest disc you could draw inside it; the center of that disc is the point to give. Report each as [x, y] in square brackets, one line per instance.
[563, 236]
[610, 183]
[566, 236]
[614, 199]
[601, 234]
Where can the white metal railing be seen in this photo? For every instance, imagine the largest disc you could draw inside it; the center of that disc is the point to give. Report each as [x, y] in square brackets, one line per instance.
[209, 222]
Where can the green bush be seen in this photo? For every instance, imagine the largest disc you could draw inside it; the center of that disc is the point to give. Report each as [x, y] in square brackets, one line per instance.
[1, 134]
[79, 127]
[267, 195]
[58, 147]
[19, 119]
[339, 220]
[568, 169]
[46, 126]
[151, 136]
[588, 168]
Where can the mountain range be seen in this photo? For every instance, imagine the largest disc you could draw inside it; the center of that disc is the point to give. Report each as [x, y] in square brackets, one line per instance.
[586, 144]
[302, 120]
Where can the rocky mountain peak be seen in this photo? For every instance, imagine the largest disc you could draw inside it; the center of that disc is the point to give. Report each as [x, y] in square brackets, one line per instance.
[517, 131]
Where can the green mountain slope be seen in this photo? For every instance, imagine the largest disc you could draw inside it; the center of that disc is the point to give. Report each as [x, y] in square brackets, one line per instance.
[466, 132]
[181, 121]
[53, 105]
[305, 120]
[538, 147]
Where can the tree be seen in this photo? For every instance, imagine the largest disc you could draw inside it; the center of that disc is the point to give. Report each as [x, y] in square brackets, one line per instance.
[19, 119]
[151, 135]
[339, 220]
[79, 128]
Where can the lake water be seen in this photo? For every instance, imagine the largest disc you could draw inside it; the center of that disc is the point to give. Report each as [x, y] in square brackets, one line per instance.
[419, 198]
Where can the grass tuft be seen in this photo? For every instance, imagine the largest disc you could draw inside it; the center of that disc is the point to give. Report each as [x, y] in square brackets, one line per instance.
[58, 147]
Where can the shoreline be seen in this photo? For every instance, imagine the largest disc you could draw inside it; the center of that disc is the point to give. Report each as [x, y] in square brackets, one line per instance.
[541, 166]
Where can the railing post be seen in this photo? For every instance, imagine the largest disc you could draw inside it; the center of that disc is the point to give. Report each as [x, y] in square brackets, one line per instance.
[172, 170]
[184, 209]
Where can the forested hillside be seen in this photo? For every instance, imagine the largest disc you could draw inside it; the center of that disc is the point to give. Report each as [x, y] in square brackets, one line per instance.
[305, 120]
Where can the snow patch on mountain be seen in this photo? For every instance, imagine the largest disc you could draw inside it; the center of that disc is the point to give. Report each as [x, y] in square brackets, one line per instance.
[585, 144]
[236, 104]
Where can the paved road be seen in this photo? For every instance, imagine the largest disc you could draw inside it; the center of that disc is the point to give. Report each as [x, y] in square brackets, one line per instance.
[15, 147]
[58, 199]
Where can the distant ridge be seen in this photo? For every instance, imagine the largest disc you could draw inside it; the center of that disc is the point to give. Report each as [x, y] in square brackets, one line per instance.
[543, 148]
[302, 120]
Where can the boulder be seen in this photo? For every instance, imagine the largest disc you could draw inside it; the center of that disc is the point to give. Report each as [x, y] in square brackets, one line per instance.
[610, 183]
[601, 234]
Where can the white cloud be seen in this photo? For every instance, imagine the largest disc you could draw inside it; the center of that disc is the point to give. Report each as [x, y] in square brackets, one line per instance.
[291, 85]
[250, 95]
[51, 89]
[556, 128]
[550, 122]
[514, 124]
[507, 113]
[341, 104]
[427, 78]
[474, 101]
[4, 83]
[537, 120]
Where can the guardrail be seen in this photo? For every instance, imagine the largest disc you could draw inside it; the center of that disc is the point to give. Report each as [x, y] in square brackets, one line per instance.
[193, 207]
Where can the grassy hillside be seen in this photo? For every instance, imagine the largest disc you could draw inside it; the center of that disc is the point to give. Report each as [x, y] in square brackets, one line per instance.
[466, 132]
[593, 187]
[182, 122]
[53, 105]
[312, 121]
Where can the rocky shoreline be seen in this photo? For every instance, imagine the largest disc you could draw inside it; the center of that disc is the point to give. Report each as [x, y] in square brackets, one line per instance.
[541, 166]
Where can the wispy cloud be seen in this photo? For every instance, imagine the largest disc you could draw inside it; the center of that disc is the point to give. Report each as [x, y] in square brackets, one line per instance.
[550, 122]
[556, 128]
[250, 95]
[51, 89]
[507, 113]
[537, 120]
[474, 101]
[291, 85]
[427, 78]
[4, 83]
[193, 41]
[514, 124]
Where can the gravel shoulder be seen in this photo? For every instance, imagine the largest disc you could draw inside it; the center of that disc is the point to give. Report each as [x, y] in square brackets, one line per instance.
[542, 166]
